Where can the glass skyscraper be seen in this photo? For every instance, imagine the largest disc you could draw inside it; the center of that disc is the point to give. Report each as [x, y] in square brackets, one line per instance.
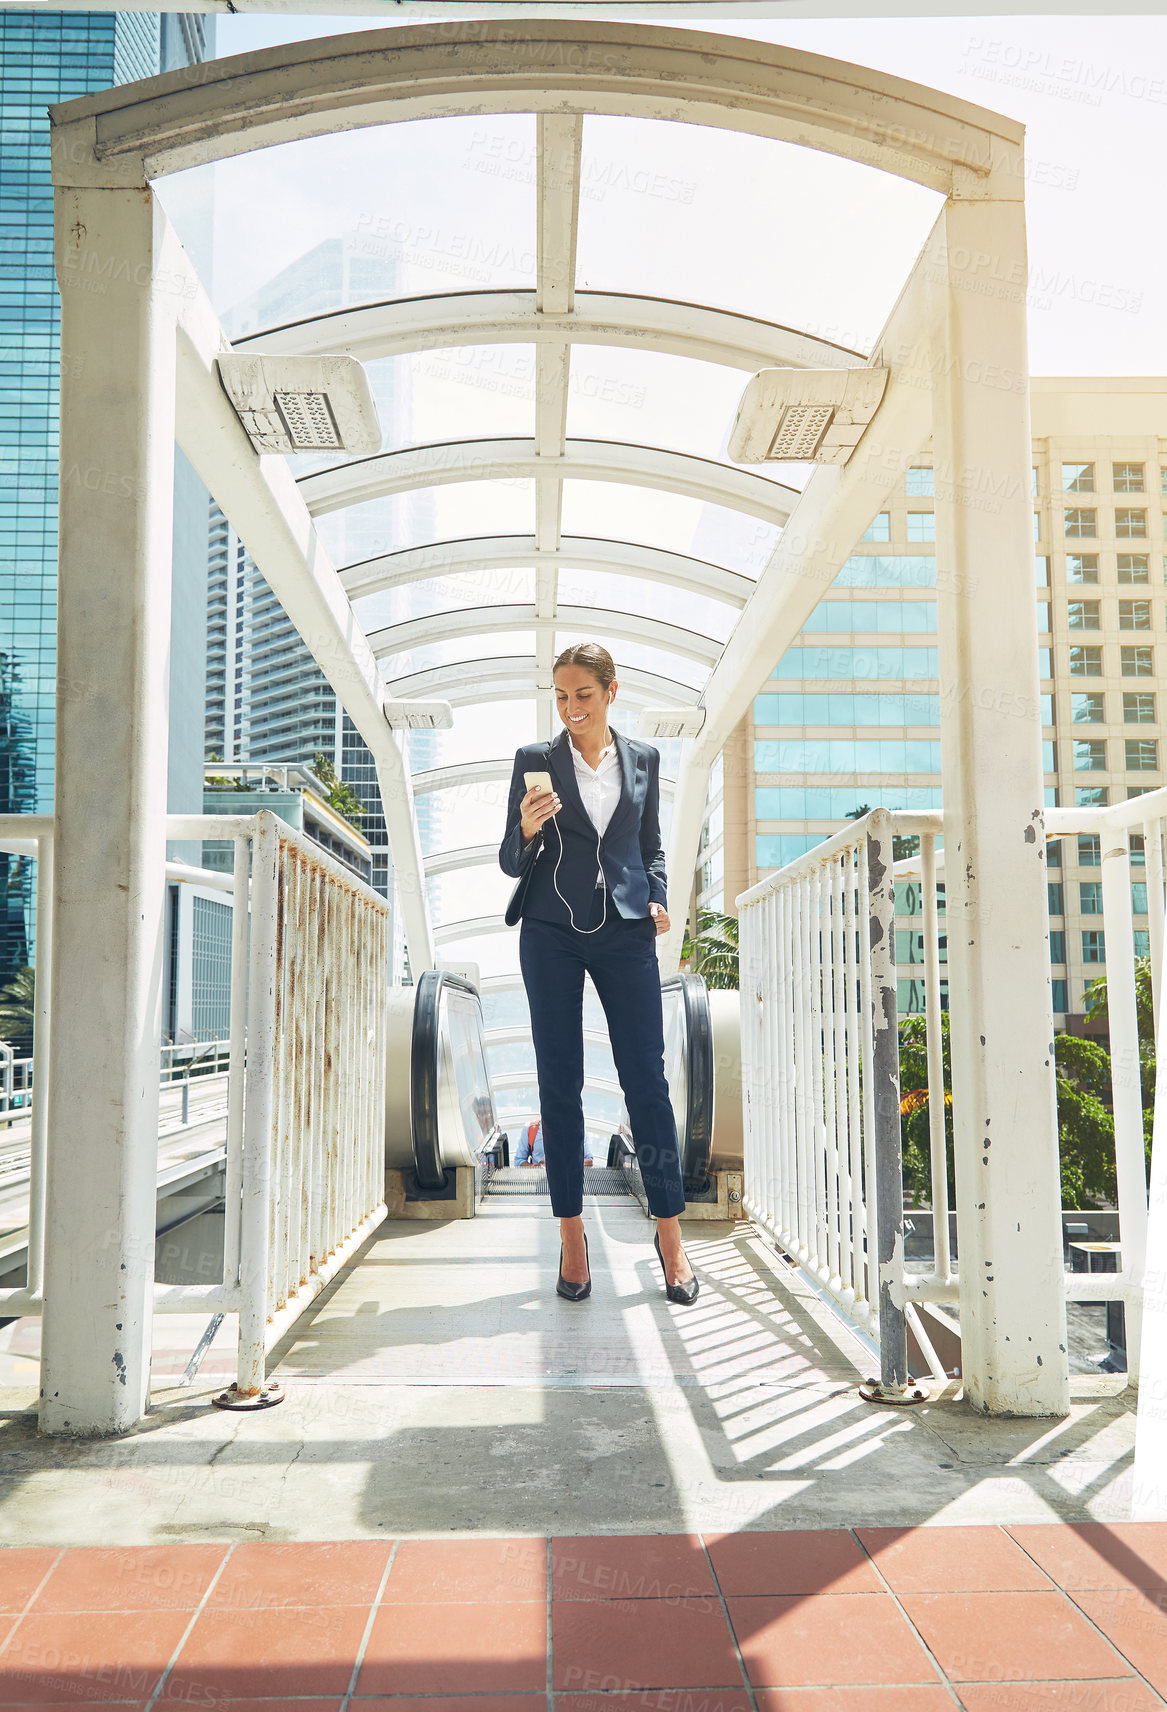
[46, 57]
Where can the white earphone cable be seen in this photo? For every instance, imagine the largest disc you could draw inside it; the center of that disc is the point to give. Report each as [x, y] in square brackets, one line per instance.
[599, 865]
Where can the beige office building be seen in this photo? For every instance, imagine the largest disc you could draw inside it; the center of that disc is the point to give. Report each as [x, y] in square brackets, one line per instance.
[850, 716]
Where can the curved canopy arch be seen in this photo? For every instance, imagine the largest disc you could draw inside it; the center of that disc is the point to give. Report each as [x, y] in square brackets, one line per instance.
[446, 320]
[514, 677]
[496, 620]
[388, 473]
[521, 552]
[560, 66]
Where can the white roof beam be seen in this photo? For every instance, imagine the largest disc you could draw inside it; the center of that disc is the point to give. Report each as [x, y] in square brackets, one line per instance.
[559, 147]
[263, 504]
[310, 88]
[446, 320]
[480, 772]
[834, 510]
[703, 479]
[512, 678]
[521, 552]
[478, 621]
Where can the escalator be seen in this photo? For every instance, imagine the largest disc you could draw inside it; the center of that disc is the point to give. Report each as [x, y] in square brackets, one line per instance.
[439, 1106]
[690, 1027]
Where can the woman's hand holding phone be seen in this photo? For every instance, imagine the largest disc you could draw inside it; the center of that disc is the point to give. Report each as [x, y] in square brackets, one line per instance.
[539, 804]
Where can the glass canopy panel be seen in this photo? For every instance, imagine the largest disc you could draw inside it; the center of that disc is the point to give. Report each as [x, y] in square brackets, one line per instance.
[488, 733]
[386, 211]
[450, 512]
[639, 654]
[463, 816]
[770, 229]
[465, 392]
[494, 953]
[511, 1058]
[444, 594]
[648, 599]
[485, 647]
[652, 398]
[468, 893]
[717, 533]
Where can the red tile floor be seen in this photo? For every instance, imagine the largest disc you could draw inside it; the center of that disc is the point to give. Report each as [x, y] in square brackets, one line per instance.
[870, 1620]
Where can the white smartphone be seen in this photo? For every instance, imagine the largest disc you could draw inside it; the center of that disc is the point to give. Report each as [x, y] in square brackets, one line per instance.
[537, 781]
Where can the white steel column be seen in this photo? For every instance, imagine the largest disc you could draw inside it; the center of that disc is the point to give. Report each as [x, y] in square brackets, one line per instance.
[1012, 1304]
[117, 463]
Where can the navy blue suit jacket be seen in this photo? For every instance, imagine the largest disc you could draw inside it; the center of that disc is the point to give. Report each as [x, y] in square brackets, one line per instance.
[630, 850]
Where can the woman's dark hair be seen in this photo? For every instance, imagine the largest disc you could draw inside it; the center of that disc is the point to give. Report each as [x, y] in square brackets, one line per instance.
[592, 658]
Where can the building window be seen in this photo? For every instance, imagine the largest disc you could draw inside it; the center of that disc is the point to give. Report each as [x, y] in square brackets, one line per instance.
[1133, 568]
[1090, 897]
[1142, 942]
[1137, 662]
[1089, 755]
[1057, 946]
[1087, 662]
[1056, 907]
[1139, 897]
[1078, 478]
[1042, 617]
[1134, 615]
[1138, 707]
[1088, 708]
[919, 482]
[1142, 755]
[1081, 567]
[1128, 478]
[1092, 796]
[1093, 945]
[1083, 615]
[1037, 526]
[1138, 850]
[1089, 850]
[1061, 997]
[880, 529]
[1080, 521]
[1053, 853]
[1130, 523]
[921, 526]
[1041, 569]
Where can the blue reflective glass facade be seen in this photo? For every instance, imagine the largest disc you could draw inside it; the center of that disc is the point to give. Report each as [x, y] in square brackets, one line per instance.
[45, 57]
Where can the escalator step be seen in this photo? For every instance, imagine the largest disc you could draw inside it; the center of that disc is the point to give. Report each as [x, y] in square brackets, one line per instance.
[523, 1181]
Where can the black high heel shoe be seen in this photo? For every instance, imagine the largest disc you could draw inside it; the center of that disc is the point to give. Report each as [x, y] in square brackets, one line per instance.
[683, 1293]
[574, 1292]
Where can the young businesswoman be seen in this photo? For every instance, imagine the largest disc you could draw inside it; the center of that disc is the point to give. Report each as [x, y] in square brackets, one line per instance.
[591, 895]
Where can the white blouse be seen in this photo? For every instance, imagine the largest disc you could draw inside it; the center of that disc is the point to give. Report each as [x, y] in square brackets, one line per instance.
[599, 790]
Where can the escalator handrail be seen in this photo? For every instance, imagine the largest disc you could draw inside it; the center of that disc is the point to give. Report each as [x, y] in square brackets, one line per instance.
[423, 1074]
[696, 1144]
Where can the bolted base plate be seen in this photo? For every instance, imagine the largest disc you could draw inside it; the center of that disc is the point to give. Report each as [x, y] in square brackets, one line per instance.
[874, 1391]
[234, 1398]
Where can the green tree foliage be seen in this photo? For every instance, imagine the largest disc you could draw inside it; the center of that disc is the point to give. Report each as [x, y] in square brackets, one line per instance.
[16, 1009]
[1096, 1006]
[713, 950]
[1085, 1126]
[341, 797]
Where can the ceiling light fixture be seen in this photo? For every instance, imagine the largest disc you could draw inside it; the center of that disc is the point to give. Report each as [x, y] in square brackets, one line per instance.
[302, 404]
[805, 415]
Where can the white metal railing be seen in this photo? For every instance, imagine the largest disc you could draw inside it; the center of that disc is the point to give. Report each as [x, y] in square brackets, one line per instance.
[32, 835]
[814, 1166]
[820, 1073]
[304, 1163]
[305, 1180]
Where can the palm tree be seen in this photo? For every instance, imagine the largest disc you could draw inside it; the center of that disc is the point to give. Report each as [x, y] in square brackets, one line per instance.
[713, 950]
[17, 1007]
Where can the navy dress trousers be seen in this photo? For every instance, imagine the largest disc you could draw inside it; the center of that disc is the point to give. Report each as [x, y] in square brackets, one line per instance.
[609, 879]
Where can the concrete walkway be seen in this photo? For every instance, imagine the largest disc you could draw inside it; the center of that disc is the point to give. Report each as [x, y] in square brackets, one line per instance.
[439, 1386]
